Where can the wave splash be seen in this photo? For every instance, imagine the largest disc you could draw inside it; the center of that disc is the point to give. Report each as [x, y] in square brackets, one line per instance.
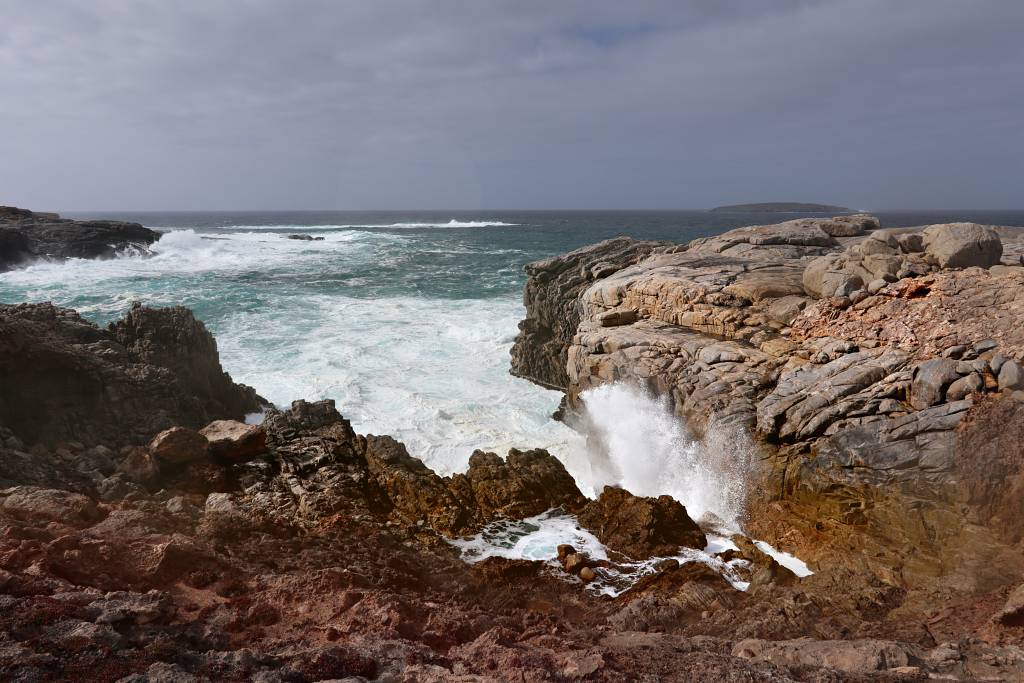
[636, 442]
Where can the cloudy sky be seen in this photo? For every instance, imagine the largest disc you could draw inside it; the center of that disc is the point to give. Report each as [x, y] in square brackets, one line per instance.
[260, 104]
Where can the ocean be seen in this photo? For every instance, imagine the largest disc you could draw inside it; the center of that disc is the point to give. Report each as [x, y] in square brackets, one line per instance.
[404, 318]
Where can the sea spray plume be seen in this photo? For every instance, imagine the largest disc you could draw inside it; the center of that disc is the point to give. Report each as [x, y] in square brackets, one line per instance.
[639, 444]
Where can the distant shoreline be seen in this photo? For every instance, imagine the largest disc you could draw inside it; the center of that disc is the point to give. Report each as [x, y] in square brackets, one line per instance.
[781, 207]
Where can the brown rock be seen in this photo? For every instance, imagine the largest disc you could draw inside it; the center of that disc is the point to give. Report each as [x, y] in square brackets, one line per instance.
[235, 441]
[640, 527]
[178, 445]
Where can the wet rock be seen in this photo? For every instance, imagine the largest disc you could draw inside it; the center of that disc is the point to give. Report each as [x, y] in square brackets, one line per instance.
[178, 445]
[233, 441]
[640, 527]
[306, 238]
[962, 245]
[524, 484]
[26, 235]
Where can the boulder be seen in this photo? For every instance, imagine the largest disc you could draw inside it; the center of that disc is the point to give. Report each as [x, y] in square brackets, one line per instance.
[640, 527]
[930, 381]
[234, 441]
[854, 656]
[962, 245]
[179, 445]
[825, 277]
[965, 386]
[39, 505]
[1011, 376]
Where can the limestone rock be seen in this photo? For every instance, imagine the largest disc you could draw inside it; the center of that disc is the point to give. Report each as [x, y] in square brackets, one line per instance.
[962, 245]
[640, 527]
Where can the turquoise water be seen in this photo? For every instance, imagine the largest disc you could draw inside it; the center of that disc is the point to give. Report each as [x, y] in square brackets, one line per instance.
[405, 318]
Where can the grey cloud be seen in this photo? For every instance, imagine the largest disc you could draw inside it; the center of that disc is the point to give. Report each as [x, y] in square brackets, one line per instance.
[263, 104]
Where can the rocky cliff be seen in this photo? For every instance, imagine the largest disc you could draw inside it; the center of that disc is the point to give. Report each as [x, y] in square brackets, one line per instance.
[872, 366]
[27, 236]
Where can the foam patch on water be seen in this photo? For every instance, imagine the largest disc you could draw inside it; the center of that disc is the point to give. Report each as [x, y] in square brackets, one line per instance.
[537, 538]
[382, 226]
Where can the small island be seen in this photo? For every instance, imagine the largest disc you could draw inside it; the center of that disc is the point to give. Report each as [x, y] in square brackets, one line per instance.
[781, 207]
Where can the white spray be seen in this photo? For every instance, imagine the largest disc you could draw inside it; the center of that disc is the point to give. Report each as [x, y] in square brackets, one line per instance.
[636, 442]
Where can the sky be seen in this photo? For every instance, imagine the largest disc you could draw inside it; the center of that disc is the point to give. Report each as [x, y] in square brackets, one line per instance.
[518, 104]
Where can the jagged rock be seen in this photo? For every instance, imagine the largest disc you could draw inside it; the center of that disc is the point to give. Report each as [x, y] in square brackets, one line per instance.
[524, 484]
[306, 238]
[234, 441]
[67, 380]
[26, 235]
[179, 445]
[962, 245]
[640, 527]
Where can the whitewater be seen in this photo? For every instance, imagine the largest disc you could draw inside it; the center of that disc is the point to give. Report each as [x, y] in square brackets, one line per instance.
[406, 320]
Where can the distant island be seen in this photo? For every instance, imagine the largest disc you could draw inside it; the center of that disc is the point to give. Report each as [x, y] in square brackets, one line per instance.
[781, 207]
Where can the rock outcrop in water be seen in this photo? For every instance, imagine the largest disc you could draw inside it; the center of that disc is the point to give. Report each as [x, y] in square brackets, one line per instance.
[27, 236]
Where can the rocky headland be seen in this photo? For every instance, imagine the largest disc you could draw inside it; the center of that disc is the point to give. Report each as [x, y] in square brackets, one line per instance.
[27, 236]
[147, 533]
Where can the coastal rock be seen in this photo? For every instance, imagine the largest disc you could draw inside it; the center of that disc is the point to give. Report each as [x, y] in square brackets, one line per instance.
[179, 445]
[49, 505]
[550, 297]
[27, 235]
[65, 379]
[962, 245]
[524, 484]
[640, 527]
[234, 441]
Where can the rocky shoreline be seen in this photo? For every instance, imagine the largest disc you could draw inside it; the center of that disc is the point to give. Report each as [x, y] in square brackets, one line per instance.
[148, 534]
[28, 236]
